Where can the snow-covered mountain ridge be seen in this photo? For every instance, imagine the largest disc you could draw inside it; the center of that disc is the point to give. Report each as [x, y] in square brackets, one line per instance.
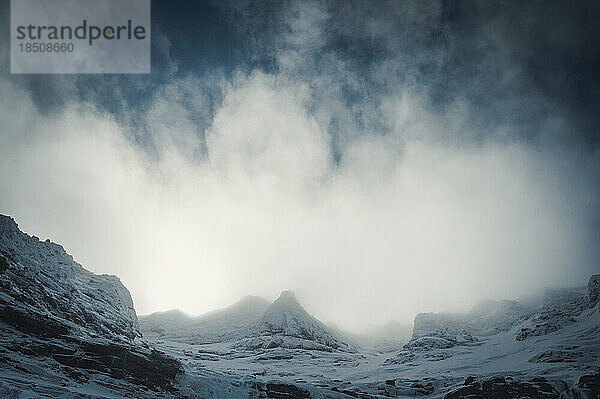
[62, 326]
[40, 277]
[216, 326]
[560, 307]
[287, 324]
[252, 322]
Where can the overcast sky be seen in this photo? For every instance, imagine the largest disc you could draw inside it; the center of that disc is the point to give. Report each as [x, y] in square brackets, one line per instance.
[379, 158]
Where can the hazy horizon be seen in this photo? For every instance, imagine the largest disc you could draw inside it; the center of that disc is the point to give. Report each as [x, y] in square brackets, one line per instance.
[373, 329]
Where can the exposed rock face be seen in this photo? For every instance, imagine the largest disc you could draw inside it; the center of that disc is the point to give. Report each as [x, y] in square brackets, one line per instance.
[136, 364]
[590, 384]
[441, 331]
[286, 324]
[559, 309]
[593, 290]
[41, 278]
[56, 315]
[278, 391]
[436, 334]
[282, 391]
[395, 388]
[506, 388]
[564, 355]
[434, 324]
[449, 330]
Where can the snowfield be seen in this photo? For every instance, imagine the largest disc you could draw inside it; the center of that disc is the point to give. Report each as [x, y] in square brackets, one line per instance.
[68, 333]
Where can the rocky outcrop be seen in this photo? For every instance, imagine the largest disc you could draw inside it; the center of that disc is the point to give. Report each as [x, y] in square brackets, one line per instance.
[277, 391]
[56, 315]
[436, 334]
[40, 277]
[505, 388]
[446, 330]
[135, 364]
[560, 308]
[590, 384]
[564, 355]
[438, 331]
[588, 387]
[486, 318]
[400, 387]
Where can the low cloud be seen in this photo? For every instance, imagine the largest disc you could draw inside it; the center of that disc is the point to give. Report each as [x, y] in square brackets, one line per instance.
[373, 204]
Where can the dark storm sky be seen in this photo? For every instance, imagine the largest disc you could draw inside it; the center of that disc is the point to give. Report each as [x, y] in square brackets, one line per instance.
[498, 56]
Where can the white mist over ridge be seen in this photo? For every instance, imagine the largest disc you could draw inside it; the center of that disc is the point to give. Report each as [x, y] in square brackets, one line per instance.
[399, 226]
[372, 206]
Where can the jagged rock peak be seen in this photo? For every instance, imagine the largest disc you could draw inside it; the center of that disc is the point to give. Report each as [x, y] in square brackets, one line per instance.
[287, 324]
[286, 311]
[7, 224]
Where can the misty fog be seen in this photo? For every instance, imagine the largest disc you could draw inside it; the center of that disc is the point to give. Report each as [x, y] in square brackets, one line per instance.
[372, 206]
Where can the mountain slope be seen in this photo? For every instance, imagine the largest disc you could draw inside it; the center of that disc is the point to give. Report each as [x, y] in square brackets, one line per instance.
[41, 277]
[287, 324]
[67, 326]
[217, 326]
[438, 336]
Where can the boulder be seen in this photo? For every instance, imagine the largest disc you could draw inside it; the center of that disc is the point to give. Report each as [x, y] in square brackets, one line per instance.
[505, 388]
